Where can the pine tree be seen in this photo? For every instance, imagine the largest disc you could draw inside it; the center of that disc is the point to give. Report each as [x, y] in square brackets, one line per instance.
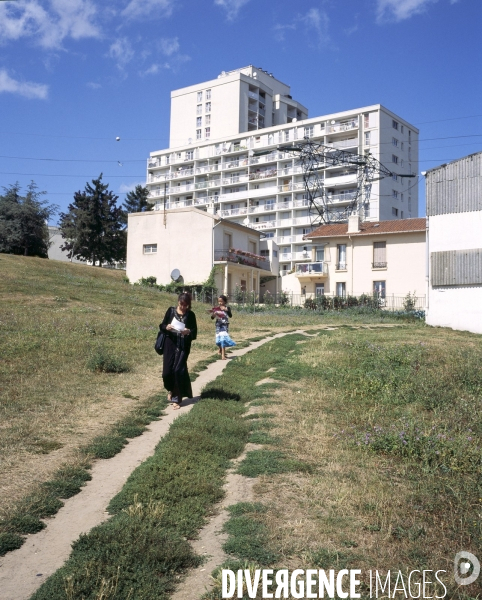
[23, 221]
[136, 200]
[93, 227]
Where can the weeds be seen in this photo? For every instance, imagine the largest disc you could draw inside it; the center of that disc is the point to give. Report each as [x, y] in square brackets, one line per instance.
[102, 361]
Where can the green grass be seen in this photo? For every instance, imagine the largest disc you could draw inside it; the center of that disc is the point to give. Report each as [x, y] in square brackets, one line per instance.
[269, 462]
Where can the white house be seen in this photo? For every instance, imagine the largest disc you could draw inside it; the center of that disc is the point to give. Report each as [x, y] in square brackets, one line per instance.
[454, 214]
[386, 258]
[192, 241]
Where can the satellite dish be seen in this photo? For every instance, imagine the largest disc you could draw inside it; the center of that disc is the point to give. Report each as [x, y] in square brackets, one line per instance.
[246, 221]
[333, 122]
[294, 120]
[175, 274]
[117, 139]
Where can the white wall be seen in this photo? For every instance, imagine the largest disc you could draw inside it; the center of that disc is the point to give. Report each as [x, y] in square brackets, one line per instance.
[184, 244]
[458, 307]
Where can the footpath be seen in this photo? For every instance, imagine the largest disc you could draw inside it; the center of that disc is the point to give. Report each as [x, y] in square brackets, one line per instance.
[24, 570]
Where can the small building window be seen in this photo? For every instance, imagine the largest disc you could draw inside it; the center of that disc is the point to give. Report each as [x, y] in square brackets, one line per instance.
[198, 134]
[199, 96]
[367, 138]
[394, 212]
[309, 131]
[395, 194]
[199, 121]
[379, 255]
[207, 119]
[207, 132]
[208, 94]
[395, 159]
[394, 142]
[208, 107]
[394, 124]
[341, 289]
[341, 256]
[150, 248]
[199, 109]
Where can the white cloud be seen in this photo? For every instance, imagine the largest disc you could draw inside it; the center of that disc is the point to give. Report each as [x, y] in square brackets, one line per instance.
[140, 9]
[121, 51]
[169, 45]
[232, 7]
[49, 26]
[314, 23]
[22, 88]
[93, 85]
[398, 10]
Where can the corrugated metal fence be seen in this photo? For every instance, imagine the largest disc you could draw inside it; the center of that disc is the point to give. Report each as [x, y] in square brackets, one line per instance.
[456, 267]
[456, 187]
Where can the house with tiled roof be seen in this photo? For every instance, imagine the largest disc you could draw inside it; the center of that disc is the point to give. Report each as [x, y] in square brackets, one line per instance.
[387, 258]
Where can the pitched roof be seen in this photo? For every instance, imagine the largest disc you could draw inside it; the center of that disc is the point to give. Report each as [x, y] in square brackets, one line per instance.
[369, 228]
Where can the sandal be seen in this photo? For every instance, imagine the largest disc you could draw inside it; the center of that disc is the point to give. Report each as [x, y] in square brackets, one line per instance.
[169, 396]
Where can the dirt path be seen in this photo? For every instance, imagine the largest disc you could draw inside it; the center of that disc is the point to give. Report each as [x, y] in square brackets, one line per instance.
[23, 571]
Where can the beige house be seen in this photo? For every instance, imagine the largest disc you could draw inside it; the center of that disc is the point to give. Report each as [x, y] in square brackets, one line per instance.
[191, 241]
[383, 257]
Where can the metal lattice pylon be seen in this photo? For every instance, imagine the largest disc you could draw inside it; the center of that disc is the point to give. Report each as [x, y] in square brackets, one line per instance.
[314, 158]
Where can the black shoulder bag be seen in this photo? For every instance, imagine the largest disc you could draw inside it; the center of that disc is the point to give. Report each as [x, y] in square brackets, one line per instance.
[161, 338]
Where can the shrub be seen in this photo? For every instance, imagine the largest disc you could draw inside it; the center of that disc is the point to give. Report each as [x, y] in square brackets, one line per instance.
[102, 361]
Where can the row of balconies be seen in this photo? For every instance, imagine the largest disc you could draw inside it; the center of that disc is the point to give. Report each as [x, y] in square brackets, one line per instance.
[272, 140]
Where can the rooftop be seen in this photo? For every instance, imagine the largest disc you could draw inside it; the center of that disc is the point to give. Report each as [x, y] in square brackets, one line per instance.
[370, 228]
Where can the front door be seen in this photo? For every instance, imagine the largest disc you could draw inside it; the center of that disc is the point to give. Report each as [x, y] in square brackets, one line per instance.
[320, 289]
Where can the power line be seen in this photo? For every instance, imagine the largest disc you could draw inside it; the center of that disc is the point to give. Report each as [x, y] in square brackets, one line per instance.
[62, 175]
[74, 159]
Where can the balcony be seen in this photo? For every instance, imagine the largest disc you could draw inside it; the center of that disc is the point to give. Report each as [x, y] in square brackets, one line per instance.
[240, 257]
[342, 126]
[311, 270]
[206, 169]
[350, 143]
[232, 212]
[263, 225]
[349, 197]
[263, 174]
[236, 179]
[348, 179]
[182, 173]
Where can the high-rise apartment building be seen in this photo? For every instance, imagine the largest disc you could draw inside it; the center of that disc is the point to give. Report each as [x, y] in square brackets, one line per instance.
[219, 127]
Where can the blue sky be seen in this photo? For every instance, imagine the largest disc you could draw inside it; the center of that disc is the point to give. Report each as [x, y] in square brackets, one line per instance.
[74, 74]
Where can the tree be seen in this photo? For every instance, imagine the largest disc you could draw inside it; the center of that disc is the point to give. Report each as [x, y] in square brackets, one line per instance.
[136, 200]
[93, 227]
[23, 221]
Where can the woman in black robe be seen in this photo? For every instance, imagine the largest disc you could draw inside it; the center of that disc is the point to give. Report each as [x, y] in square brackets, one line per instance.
[181, 329]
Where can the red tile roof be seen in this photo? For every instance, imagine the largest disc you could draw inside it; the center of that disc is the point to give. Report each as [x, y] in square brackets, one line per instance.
[369, 228]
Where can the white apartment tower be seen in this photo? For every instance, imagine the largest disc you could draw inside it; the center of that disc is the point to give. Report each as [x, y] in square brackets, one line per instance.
[218, 128]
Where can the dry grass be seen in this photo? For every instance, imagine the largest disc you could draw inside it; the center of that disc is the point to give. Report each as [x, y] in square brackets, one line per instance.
[361, 509]
[53, 315]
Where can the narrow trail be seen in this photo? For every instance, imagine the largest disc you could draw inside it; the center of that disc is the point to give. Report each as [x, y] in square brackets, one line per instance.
[24, 570]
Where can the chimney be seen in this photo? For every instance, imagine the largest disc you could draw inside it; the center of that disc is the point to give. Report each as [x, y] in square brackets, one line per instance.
[354, 224]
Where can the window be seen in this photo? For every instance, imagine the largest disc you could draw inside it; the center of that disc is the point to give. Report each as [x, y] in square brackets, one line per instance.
[401, 214]
[287, 135]
[367, 138]
[208, 107]
[394, 142]
[401, 146]
[320, 254]
[366, 120]
[394, 124]
[341, 289]
[379, 289]
[199, 96]
[394, 212]
[167, 159]
[207, 120]
[409, 136]
[207, 132]
[178, 155]
[199, 121]
[319, 289]
[150, 248]
[401, 128]
[257, 139]
[275, 253]
[199, 109]
[409, 204]
[198, 134]
[208, 94]
[379, 255]
[189, 155]
[308, 131]
[341, 256]
[395, 194]
[394, 177]
[395, 159]
[401, 197]
[264, 252]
